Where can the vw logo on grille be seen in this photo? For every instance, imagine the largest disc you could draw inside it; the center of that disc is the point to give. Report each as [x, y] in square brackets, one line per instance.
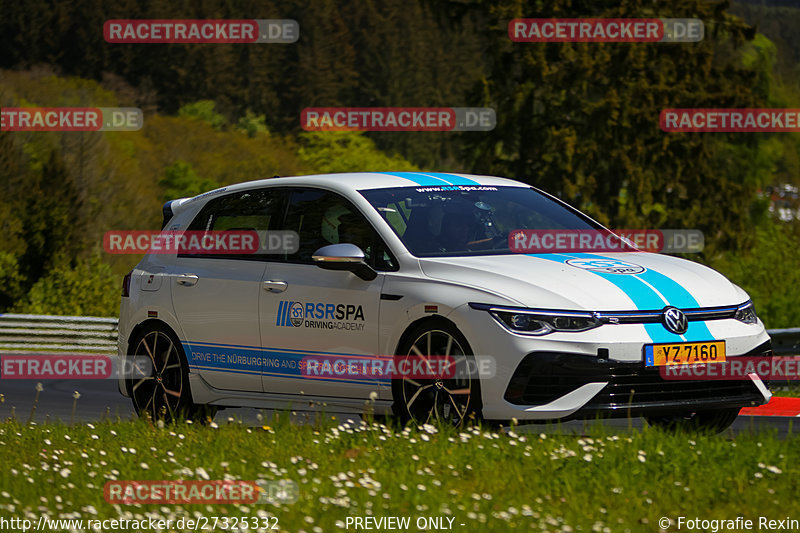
[675, 320]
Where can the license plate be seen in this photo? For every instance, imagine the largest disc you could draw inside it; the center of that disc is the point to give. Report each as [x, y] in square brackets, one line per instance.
[684, 353]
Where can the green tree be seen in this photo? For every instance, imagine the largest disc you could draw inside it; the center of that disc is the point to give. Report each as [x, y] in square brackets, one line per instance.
[203, 110]
[581, 120]
[768, 272]
[181, 181]
[251, 124]
[87, 287]
[11, 279]
[54, 222]
[13, 176]
[327, 152]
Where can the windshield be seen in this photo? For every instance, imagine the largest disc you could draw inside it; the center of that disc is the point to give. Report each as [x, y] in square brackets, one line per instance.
[469, 220]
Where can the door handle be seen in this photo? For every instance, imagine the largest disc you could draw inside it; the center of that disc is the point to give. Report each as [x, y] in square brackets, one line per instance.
[187, 279]
[275, 285]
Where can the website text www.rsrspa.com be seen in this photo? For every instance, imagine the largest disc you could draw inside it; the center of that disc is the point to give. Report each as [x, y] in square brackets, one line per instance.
[195, 523]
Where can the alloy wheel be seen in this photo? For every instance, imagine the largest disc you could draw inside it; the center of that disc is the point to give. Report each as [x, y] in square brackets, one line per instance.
[157, 390]
[445, 396]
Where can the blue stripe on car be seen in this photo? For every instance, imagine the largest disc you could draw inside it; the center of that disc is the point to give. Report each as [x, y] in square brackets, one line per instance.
[453, 179]
[676, 296]
[288, 361]
[639, 288]
[419, 179]
[280, 310]
[285, 314]
[433, 179]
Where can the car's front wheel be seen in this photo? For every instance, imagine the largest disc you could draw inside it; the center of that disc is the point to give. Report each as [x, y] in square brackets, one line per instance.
[445, 387]
[703, 421]
[159, 380]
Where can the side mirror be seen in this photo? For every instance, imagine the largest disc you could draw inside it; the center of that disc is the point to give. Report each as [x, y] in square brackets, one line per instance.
[344, 256]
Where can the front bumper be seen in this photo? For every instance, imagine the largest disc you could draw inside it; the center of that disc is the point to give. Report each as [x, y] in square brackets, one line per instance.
[630, 388]
[603, 366]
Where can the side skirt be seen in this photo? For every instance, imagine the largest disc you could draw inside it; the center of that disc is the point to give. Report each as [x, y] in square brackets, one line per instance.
[203, 393]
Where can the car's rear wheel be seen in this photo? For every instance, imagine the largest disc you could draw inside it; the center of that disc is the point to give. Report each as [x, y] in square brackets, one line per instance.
[448, 389]
[159, 381]
[703, 421]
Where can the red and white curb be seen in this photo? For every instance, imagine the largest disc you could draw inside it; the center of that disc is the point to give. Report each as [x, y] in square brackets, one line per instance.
[777, 406]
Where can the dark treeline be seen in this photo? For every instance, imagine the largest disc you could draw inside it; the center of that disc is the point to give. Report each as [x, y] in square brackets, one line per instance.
[579, 120]
[393, 52]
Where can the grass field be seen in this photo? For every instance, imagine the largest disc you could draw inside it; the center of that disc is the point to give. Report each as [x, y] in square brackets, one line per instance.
[789, 391]
[486, 480]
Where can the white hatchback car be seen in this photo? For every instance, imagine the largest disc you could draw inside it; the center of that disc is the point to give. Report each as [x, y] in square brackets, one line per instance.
[418, 265]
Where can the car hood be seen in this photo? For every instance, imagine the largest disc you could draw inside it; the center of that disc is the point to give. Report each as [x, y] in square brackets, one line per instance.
[596, 282]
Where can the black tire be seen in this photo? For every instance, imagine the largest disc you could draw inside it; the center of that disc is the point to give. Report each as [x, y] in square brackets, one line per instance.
[161, 392]
[453, 400]
[711, 422]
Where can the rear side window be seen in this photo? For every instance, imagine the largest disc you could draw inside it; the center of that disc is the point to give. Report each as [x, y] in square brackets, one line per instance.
[259, 210]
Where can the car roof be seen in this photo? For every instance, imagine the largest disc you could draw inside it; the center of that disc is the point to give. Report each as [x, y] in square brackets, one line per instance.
[354, 181]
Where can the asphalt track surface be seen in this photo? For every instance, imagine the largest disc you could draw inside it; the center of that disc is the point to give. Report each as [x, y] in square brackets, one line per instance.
[100, 399]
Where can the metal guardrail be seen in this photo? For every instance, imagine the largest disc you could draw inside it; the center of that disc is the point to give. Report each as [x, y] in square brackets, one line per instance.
[57, 334]
[785, 341]
[95, 335]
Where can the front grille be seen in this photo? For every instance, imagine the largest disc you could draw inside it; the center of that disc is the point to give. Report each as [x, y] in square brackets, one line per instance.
[545, 376]
[635, 388]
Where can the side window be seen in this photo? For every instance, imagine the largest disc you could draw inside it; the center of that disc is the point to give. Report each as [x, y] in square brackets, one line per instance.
[321, 218]
[254, 210]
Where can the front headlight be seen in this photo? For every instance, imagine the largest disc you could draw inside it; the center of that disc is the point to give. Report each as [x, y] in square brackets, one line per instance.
[746, 313]
[541, 323]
